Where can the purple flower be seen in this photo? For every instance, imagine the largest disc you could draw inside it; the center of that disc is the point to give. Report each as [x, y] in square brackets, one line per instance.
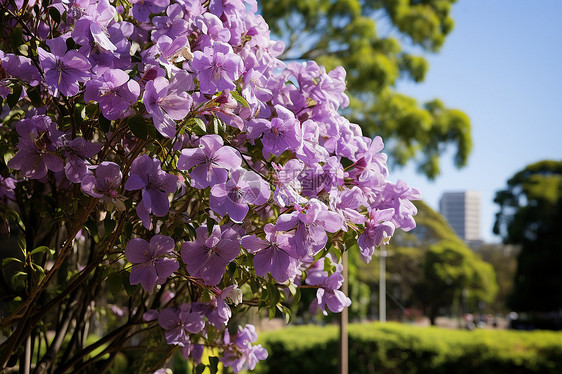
[151, 266]
[146, 175]
[288, 187]
[232, 197]
[114, 92]
[398, 196]
[335, 300]
[217, 68]
[378, 230]
[75, 151]
[37, 147]
[328, 293]
[217, 311]
[105, 183]
[193, 351]
[311, 151]
[211, 160]
[242, 354]
[281, 134]
[348, 203]
[7, 187]
[274, 255]
[311, 224]
[179, 324]
[208, 255]
[172, 24]
[142, 9]
[166, 102]
[63, 70]
[22, 68]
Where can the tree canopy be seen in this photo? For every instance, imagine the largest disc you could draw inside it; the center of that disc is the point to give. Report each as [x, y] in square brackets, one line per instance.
[530, 215]
[373, 41]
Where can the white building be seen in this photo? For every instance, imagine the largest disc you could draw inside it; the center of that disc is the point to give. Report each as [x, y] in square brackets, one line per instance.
[462, 211]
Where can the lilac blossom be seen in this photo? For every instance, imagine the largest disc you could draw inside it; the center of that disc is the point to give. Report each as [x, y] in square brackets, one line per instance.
[91, 28]
[142, 9]
[280, 134]
[241, 354]
[21, 67]
[274, 255]
[104, 184]
[348, 203]
[217, 67]
[39, 141]
[287, 191]
[217, 310]
[378, 231]
[193, 351]
[208, 255]
[64, 70]
[233, 196]
[151, 266]
[328, 293]
[210, 160]
[311, 223]
[180, 323]
[166, 102]
[398, 196]
[173, 24]
[147, 175]
[75, 152]
[310, 150]
[7, 187]
[114, 92]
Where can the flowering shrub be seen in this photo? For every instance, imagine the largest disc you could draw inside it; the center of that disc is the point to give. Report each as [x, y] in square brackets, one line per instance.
[163, 171]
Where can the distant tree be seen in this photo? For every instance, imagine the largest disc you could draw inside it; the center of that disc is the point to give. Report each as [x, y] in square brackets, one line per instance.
[530, 215]
[363, 37]
[430, 266]
[503, 259]
[448, 269]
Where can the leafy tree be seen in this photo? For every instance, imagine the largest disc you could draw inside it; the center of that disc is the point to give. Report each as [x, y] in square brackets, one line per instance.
[430, 266]
[503, 258]
[350, 33]
[530, 215]
[448, 269]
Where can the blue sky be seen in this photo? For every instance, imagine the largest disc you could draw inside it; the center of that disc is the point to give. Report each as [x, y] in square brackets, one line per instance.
[502, 65]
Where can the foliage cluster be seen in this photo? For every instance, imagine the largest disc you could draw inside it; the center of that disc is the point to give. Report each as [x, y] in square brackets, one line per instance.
[400, 349]
[529, 216]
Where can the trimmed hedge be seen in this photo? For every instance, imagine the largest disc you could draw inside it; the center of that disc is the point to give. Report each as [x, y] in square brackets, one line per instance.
[404, 349]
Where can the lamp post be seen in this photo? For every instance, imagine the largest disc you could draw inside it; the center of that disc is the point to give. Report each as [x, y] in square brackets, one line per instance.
[382, 284]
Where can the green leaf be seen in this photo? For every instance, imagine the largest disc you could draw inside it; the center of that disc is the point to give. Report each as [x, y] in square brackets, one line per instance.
[285, 311]
[213, 364]
[115, 282]
[16, 36]
[240, 99]
[71, 44]
[109, 225]
[210, 224]
[104, 123]
[199, 127]
[43, 249]
[14, 97]
[199, 369]
[273, 293]
[54, 14]
[138, 127]
[9, 260]
[130, 289]
[35, 96]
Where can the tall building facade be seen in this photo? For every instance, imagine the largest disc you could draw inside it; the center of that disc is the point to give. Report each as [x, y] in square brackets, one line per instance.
[462, 211]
